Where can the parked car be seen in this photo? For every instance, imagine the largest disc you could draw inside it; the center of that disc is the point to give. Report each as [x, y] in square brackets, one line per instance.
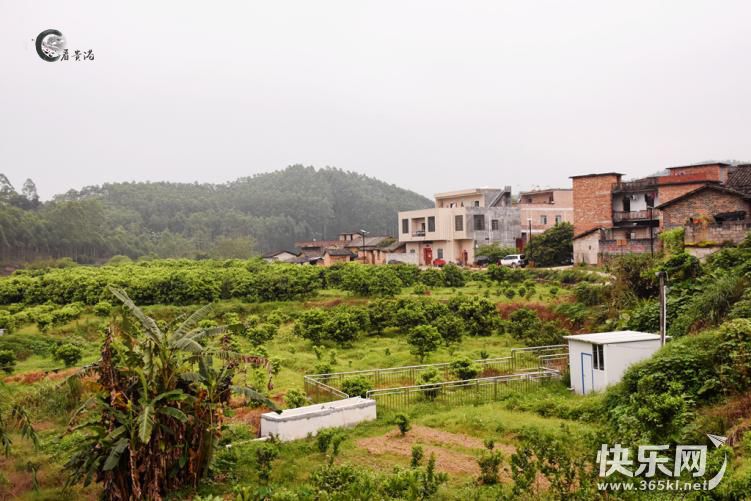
[514, 260]
[439, 262]
[482, 261]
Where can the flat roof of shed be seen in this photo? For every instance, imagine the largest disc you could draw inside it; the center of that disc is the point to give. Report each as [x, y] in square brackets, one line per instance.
[616, 337]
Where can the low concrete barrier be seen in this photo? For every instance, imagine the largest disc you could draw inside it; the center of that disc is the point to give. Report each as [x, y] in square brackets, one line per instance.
[293, 424]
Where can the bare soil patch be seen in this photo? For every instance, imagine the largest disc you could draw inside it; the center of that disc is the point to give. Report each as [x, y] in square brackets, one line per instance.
[436, 442]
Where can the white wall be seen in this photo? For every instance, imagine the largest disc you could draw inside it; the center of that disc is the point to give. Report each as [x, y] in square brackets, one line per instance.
[293, 424]
[618, 357]
[403, 257]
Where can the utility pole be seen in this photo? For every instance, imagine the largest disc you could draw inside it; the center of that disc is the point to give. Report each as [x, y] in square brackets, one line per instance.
[362, 249]
[663, 306]
[651, 234]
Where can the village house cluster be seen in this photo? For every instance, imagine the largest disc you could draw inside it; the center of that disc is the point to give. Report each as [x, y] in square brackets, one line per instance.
[611, 216]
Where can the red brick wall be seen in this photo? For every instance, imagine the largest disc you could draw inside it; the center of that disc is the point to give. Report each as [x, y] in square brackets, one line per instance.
[706, 203]
[713, 172]
[667, 193]
[593, 201]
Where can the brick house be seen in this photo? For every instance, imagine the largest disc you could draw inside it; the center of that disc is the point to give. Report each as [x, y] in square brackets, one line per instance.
[333, 256]
[629, 214]
[540, 210]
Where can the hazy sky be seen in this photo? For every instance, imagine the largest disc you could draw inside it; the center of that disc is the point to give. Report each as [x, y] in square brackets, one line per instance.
[429, 95]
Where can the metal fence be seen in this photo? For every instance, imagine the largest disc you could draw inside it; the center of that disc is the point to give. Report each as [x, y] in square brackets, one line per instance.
[533, 360]
[470, 391]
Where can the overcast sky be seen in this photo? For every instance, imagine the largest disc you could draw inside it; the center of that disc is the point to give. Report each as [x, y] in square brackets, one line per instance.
[429, 95]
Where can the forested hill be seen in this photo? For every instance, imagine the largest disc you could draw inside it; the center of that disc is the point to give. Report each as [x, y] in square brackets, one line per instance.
[265, 212]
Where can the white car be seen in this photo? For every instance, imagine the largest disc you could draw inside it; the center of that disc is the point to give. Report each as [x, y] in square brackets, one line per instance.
[514, 260]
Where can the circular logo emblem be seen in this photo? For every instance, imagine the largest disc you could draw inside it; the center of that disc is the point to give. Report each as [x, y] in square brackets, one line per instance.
[50, 45]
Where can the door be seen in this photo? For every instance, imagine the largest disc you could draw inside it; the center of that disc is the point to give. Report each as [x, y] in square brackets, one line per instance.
[465, 258]
[427, 255]
[587, 374]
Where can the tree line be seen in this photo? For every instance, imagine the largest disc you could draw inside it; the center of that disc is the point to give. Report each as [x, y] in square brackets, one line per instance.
[232, 220]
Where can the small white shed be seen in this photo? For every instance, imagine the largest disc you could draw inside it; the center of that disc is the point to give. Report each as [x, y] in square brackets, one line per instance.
[598, 360]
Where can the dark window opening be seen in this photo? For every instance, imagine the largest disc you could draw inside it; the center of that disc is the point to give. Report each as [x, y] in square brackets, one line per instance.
[431, 223]
[459, 223]
[479, 222]
[405, 225]
[494, 224]
[598, 357]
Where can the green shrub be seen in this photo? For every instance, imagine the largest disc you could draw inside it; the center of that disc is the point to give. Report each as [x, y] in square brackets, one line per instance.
[464, 368]
[402, 423]
[591, 294]
[417, 455]
[479, 315]
[453, 276]
[429, 378]
[7, 361]
[672, 240]
[553, 247]
[356, 386]
[420, 289]
[424, 340]
[450, 327]
[68, 354]
[295, 398]
[265, 456]
[261, 333]
[310, 325]
[432, 277]
[490, 464]
[103, 308]
[510, 293]
[7, 321]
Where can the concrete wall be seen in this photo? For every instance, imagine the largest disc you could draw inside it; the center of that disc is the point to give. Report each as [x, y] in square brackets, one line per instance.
[294, 424]
[402, 257]
[587, 248]
[620, 356]
[509, 228]
[617, 358]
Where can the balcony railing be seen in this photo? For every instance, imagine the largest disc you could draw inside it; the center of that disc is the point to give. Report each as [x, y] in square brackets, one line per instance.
[646, 184]
[418, 233]
[634, 215]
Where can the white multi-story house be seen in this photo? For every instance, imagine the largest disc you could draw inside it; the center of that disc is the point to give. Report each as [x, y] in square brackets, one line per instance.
[459, 222]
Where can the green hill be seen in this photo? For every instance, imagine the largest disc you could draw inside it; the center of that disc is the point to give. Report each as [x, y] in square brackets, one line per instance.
[262, 212]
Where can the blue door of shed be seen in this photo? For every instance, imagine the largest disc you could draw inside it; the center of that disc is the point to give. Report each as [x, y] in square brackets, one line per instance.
[587, 375]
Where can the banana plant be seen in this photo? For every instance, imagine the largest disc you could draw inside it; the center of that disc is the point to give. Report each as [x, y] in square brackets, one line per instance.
[154, 424]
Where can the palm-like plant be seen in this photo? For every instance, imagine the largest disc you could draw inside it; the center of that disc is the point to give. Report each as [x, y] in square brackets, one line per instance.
[154, 425]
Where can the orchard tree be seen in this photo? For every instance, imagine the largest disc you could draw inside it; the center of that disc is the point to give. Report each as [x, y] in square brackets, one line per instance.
[424, 340]
[553, 247]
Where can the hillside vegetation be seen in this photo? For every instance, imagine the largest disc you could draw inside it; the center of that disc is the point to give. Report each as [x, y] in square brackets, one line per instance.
[231, 220]
[284, 321]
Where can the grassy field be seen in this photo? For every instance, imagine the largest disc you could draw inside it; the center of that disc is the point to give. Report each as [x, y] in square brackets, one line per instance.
[454, 434]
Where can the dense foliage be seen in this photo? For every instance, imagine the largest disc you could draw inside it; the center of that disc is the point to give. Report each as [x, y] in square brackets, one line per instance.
[153, 424]
[263, 212]
[553, 247]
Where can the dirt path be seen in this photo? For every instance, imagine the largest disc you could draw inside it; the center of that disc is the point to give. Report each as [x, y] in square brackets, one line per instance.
[441, 443]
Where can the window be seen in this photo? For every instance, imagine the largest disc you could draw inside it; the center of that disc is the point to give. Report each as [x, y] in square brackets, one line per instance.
[598, 357]
[431, 223]
[479, 222]
[494, 224]
[543, 219]
[405, 225]
[440, 253]
[459, 223]
[477, 203]
[558, 219]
